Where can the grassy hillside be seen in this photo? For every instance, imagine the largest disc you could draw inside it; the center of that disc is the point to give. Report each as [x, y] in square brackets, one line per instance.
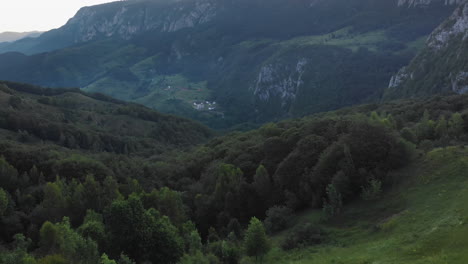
[422, 219]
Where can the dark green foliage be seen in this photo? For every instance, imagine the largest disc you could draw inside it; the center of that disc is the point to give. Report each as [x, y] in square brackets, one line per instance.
[262, 183]
[15, 101]
[219, 186]
[456, 125]
[408, 135]
[291, 173]
[93, 228]
[372, 190]
[234, 227]
[142, 234]
[333, 204]
[8, 176]
[3, 202]
[105, 260]
[199, 258]
[303, 236]
[167, 202]
[125, 260]
[277, 218]
[61, 239]
[426, 145]
[226, 251]
[53, 259]
[20, 253]
[88, 122]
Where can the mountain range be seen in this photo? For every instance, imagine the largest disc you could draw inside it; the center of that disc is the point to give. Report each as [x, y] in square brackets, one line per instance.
[227, 62]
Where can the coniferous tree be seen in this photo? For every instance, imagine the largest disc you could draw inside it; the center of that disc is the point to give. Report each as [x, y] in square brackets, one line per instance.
[456, 124]
[256, 242]
[262, 183]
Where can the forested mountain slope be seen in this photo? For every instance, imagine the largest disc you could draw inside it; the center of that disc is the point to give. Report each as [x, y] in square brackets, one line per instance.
[227, 62]
[91, 122]
[74, 205]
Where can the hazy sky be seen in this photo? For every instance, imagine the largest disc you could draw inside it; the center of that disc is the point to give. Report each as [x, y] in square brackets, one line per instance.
[28, 15]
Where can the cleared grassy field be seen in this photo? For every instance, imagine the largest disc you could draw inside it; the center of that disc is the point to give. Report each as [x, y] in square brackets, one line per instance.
[422, 219]
[174, 87]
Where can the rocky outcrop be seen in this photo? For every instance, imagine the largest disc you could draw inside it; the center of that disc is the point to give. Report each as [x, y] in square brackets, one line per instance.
[460, 83]
[398, 78]
[127, 18]
[416, 3]
[456, 25]
[440, 67]
[280, 81]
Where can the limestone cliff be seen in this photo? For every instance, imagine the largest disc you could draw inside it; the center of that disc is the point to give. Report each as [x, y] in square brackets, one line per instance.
[128, 18]
[441, 67]
[456, 25]
[281, 81]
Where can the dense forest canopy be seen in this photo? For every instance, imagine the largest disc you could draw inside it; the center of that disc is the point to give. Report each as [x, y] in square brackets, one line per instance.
[77, 197]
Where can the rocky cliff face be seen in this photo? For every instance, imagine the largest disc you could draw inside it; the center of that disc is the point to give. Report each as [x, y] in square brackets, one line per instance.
[442, 65]
[281, 81]
[128, 18]
[416, 3]
[456, 25]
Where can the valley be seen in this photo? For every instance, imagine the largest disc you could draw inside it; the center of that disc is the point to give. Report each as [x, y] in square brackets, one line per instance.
[238, 132]
[313, 63]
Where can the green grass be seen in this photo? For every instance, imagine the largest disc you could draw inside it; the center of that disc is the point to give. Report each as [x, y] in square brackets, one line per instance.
[423, 219]
[180, 89]
[342, 38]
[118, 89]
[174, 87]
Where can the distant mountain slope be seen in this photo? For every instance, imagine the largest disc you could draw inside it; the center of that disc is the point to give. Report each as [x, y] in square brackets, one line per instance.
[226, 62]
[94, 122]
[122, 19]
[13, 36]
[441, 67]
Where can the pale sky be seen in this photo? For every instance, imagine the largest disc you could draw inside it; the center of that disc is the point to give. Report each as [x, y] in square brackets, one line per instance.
[42, 15]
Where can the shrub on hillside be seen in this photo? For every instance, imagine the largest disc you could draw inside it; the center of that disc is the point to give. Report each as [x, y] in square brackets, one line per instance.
[303, 236]
[372, 190]
[277, 218]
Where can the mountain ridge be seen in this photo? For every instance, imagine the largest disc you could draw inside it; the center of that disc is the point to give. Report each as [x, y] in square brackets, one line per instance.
[258, 62]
